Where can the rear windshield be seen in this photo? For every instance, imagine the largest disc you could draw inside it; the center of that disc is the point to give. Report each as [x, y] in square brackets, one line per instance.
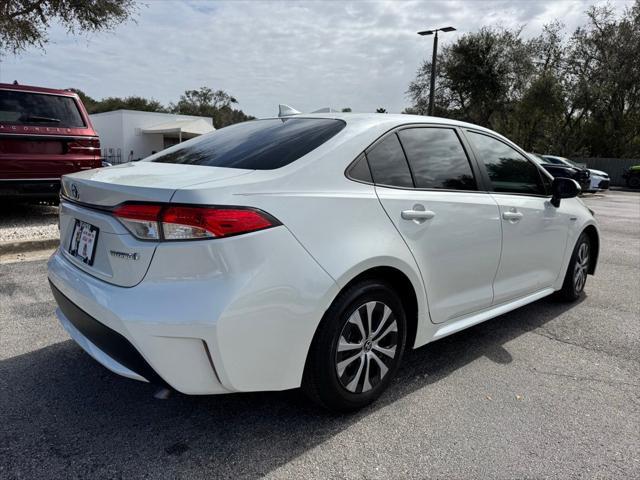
[256, 144]
[39, 109]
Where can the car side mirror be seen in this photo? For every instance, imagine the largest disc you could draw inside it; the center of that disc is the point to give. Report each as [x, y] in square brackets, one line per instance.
[563, 188]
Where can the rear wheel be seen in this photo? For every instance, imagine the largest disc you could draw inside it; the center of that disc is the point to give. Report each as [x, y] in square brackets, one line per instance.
[357, 348]
[633, 181]
[576, 276]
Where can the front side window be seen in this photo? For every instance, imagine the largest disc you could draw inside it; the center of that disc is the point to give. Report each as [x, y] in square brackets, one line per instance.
[388, 163]
[254, 145]
[508, 170]
[39, 109]
[437, 158]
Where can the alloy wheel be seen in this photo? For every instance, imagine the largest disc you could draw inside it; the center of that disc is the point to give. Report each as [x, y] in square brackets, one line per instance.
[367, 347]
[581, 267]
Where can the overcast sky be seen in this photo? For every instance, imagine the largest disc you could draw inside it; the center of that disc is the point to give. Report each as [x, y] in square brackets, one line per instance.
[307, 54]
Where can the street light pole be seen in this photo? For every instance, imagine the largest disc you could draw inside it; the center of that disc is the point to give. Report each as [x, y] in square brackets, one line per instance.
[434, 60]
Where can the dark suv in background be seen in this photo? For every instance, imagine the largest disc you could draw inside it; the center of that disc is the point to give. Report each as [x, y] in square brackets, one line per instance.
[579, 174]
[44, 134]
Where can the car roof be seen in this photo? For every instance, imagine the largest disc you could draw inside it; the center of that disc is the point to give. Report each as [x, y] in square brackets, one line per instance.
[391, 120]
[34, 89]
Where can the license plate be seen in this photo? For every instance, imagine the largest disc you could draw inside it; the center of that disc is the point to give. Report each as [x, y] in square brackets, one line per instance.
[83, 242]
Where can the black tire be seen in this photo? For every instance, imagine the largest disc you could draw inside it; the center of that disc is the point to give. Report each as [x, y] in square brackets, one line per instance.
[343, 392]
[576, 276]
[633, 181]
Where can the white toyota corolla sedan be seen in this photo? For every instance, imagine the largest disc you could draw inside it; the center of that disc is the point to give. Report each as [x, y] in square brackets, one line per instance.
[310, 250]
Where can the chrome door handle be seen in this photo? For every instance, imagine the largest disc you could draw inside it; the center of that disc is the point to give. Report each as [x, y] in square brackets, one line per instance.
[512, 216]
[417, 214]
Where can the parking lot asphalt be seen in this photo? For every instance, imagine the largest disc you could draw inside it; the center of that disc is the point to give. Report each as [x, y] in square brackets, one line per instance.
[548, 391]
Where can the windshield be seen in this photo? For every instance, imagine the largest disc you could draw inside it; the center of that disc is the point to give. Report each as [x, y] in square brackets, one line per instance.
[254, 145]
[559, 161]
[39, 109]
[536, 158]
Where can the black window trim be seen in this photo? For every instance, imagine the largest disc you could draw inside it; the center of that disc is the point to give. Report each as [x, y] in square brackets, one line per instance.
[483, 168]
[482, 185]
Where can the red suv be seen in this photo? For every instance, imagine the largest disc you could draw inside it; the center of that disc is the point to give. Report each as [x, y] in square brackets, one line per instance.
[44, 134]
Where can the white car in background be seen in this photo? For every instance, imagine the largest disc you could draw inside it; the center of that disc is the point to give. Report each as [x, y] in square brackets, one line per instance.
[600, 180]
[310, 250]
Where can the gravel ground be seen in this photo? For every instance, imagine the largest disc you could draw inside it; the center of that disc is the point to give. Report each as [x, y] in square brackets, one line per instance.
[548, 391]
[28, 222]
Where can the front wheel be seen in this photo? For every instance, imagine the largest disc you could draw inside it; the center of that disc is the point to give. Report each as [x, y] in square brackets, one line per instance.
[357, 348]
[577, 271]
[633, 181]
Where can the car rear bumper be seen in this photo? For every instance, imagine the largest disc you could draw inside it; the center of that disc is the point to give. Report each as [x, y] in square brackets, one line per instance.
[212, 317]
[38, 188]
[101, 342]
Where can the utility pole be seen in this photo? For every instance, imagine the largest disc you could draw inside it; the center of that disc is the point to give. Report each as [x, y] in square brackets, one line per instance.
[434, 60]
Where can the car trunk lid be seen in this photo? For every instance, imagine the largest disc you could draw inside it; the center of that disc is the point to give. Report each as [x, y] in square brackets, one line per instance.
[139, 181]
[108, 250]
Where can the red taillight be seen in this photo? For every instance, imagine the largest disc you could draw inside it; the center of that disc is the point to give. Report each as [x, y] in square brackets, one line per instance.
[140, 211]
[84, 146]
[198, 222]
[180, 222]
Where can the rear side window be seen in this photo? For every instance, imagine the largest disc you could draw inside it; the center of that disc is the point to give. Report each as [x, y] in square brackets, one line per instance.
[508, 170]
[39, 109]
[388, 163]
[254, 145]
[437, 158]
[360, 170]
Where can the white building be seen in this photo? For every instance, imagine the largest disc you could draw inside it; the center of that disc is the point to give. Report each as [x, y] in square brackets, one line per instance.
[127, 135]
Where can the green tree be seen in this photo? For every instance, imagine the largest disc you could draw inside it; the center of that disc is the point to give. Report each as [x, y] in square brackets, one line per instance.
[116, 103]
[571, 96]
[478, 76]
[203, 102]
[381, 110]
[603, 66]
[346, 109]
[206, 102]
[25, 23]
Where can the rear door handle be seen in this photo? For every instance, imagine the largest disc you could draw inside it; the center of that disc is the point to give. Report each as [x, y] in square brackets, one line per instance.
[512, 216]
[417, 215]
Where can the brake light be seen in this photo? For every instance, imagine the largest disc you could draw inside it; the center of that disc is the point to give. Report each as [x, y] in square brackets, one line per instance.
[84, 146]
[185, 222]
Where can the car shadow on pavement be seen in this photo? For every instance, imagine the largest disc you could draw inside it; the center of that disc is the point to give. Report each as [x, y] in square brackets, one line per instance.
[62, 415]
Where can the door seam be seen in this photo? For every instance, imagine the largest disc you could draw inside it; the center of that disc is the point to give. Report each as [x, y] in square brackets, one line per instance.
[424, 285]
[495, 276]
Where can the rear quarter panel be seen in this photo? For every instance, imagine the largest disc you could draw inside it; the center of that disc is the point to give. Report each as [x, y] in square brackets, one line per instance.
[339, 222]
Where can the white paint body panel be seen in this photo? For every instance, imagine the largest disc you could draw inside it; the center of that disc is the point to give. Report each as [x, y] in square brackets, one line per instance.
[532, 247]
[464, 236]
[239, 313]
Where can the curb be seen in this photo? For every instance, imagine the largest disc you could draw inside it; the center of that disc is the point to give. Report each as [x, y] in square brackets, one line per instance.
[624, 189]
[28, 245]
